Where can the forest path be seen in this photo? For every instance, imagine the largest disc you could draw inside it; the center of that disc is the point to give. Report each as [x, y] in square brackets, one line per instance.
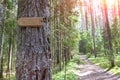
[89, 71]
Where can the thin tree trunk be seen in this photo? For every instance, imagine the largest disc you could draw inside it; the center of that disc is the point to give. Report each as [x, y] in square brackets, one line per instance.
[118, 8]
[58, 38]
[93, 29]
[108, 42]
[58, 42]
[10, 54]
[1, 38]
[86, 15]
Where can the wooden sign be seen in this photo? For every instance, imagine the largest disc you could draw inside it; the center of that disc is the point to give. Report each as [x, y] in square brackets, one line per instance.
[30, 22]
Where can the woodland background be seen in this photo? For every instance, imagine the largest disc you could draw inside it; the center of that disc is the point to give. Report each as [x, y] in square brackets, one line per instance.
[89, 27]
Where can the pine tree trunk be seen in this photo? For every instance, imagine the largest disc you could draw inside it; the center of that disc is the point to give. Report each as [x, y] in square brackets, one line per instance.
[33, 56]
[10, 54]
[1, 38]
[58, 41]
[118, 8]
[58, 44]
[108, 42]
[93, 28]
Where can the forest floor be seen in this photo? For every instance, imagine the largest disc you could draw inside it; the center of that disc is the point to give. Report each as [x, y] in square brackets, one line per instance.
[89, 71]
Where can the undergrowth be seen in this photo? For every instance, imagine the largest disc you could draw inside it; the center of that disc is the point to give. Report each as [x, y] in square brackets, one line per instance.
[103, 62]
[69, 73]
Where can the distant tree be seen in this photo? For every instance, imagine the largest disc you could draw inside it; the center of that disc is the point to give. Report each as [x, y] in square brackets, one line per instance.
[2, 30]
[93, 26]
[107, 36]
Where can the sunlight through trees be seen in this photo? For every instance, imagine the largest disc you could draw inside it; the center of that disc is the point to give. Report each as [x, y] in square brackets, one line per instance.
[68, 29]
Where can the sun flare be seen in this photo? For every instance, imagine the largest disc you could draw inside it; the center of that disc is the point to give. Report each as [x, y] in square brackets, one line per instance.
[111, 2]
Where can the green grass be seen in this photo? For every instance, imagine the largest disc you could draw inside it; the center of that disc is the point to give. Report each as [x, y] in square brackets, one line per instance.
[100, 61]
[70, 73]
[9, 77]
[116, 70]
[104, 63]
[71, 68]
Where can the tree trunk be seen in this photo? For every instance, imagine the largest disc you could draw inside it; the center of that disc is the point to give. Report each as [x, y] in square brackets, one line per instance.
[10, 54]
[58, 38]
[1, 38]
[58, 42]
[93, 28]
[108, 42]
[118, 8]
[33, 56]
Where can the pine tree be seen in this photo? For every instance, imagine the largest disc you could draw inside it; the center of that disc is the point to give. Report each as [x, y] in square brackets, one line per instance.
[33, 56]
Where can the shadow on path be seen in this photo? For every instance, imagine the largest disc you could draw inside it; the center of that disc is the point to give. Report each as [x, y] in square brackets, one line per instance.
[89, 71]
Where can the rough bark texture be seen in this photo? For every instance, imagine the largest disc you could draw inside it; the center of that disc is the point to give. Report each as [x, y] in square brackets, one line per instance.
[33, 56]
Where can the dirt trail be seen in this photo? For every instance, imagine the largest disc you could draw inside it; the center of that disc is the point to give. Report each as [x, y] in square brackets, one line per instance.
[89, 71]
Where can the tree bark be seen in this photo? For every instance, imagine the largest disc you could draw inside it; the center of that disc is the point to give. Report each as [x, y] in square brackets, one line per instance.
[2, 10]
[118, 8]
[33, 55]
[108, 42]
[58, 38]
[93, 28]
[10, 54]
